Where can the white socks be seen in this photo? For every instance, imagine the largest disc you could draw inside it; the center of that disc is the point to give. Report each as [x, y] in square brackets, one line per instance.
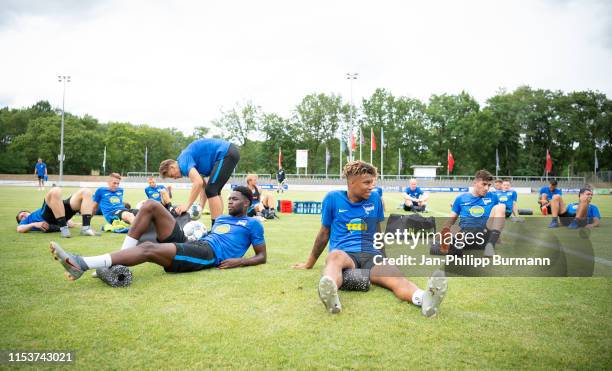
[129, 242]
[100, 261]
[417, 297]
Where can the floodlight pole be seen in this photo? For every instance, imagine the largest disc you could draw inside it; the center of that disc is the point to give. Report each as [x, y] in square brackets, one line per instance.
[63, 80]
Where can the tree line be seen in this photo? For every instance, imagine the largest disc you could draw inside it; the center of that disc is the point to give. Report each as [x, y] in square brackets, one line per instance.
[519, 126]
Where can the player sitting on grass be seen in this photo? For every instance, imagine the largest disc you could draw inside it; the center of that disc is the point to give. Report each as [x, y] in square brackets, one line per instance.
[349, 221]
[55, 213]
[223, 247]
[547, 195]
[159, 193]
[110, 201]
[415, 198]
[480, 213]
[263, 204]
[577, 214]
[509, 198]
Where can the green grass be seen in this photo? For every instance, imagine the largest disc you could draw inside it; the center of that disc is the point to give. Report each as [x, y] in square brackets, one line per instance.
[269, 316]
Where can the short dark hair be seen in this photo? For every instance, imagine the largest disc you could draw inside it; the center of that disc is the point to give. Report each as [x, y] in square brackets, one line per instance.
[17, 216]
[554, 182]
[246, 192]
[483, 175]
[586, 187]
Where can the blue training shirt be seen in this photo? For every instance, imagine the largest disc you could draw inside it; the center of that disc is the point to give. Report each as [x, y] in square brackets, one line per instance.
[507, 198]
[109, 202]
[34, 217]
[379, 190]
[474, 211]
[352, 225]
[202, 155]
[153, 193]
[416, 193]
[592, 212]
[40, 168]
[546, 189]
[231, 236]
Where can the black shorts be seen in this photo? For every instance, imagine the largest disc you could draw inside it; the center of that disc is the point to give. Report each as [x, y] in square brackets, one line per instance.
[547, 208]
[508, 213]
[177, 235]
[414, 207]
[191, 257]
[362, 260]
[222, 171]
[41, 177]
[567, 219]
[48, 216]
[118, 213]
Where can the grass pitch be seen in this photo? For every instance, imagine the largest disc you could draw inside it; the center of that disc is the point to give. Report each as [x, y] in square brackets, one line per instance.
[270, 316]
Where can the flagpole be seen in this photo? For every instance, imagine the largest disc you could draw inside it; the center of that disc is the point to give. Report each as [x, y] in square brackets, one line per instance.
[371, 143]
[496, 162]
[447, 156]
[146, 159]
[360, 136]
[382, 149]
[399, 162]
[340, 157]
[104, 162]
[326, 160]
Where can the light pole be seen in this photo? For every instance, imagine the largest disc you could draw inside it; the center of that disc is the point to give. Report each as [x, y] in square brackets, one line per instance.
[351, 77]
[63, 80]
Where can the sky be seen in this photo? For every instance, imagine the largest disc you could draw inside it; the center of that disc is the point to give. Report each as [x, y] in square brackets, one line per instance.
[180, 63]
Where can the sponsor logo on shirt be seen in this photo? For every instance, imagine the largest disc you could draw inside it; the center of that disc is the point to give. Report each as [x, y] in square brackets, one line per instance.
[221, 228]
[242, 222]
[114, 200]
[477, 211]
[356, 225]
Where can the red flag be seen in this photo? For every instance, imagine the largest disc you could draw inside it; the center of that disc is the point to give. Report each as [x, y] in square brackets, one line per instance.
[280, 158]
[372, 140]
[451, 161]
[548, 162]
[353, 142]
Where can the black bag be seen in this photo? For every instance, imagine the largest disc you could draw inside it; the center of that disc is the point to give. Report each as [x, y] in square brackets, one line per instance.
[410, 222]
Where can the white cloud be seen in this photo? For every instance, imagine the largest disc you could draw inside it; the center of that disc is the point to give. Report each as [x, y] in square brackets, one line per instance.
[177, 63]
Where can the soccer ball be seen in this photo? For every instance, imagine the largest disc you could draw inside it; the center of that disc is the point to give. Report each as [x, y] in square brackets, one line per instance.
[195, 211]
[194, 230]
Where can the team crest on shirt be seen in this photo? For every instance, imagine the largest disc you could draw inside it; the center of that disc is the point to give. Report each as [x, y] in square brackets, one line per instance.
[486, 201]
[114, 200]
[367, 208]
[242, 223]
[222, 228]
[477, 211]
[356, 226]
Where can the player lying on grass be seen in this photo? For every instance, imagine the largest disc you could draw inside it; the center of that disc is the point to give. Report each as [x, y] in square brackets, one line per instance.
[415, 199]
[577, 214]
[212, 158]
[55, 213]
[223, 247]
[547, 195]
[159, 192]
[480, 213]
[349, 221]
[110, 201]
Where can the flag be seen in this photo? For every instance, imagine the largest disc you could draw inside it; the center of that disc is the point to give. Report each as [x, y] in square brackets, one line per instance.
[361, 137]
[280, 158]
[372, 140]
[353, 142]
[496, 161]
[548, 162]
[451, 161]
[342, 145]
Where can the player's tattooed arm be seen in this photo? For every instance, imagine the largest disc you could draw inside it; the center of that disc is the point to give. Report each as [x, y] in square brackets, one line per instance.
[318, 247]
